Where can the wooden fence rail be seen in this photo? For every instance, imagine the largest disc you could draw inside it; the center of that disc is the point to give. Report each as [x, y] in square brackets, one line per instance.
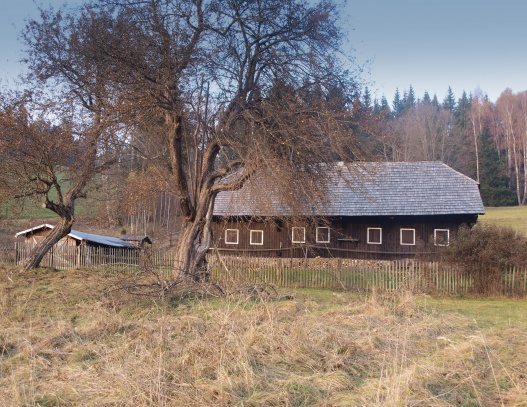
[333, 273]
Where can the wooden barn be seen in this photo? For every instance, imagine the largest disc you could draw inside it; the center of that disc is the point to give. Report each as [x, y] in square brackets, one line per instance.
[30, 237]
[77, 249]
[370, 211]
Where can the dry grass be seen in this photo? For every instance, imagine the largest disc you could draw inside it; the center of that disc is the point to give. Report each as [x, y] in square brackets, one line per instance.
[64, 343]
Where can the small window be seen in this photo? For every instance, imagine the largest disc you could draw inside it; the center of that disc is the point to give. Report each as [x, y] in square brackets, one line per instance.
[408, 237]
[298, 235]
[374, 236]
[441, 237]
[231, 236]
[256, 237]
[323, 235]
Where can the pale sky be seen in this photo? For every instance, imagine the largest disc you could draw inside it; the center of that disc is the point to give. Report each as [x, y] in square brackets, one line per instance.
[429, 44]
[434, 44]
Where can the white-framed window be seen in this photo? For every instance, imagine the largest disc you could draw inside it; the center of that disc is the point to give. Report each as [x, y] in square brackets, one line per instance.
[298, 235]
[256, 237]
[322, 235]
[408, 237]
[374, 236]
[441, 237]
[231, 236]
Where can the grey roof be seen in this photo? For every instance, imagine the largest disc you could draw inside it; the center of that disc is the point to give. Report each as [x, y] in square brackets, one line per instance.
[82, 236]
[104, 240]
[368, 189]
[137, 238]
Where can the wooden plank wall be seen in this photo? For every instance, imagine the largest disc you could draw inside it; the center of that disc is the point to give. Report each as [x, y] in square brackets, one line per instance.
[348, 236]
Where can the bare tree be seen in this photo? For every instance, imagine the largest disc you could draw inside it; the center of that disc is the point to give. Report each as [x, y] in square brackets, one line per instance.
[50, 159]
[426, 133]
[510, 132]
[231, 87]
[59, 140]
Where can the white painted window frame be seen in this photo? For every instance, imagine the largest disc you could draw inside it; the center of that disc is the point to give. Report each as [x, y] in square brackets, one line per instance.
[293, 234]
[401, 237]
[237, 236]
[256, 231]
[329, 235]
[447, 237]
[368, 236]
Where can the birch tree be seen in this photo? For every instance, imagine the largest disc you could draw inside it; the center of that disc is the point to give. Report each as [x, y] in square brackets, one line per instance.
[511, 134]
[425, 133]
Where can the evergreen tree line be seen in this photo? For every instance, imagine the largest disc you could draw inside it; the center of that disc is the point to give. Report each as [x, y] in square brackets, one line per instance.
[484, 140]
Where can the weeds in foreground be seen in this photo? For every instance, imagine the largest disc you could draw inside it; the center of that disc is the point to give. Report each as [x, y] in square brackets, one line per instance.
[64, 343]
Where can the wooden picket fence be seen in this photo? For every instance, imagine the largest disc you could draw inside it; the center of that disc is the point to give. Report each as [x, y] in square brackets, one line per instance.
[71, 257]
[337, 273]
[332, 273]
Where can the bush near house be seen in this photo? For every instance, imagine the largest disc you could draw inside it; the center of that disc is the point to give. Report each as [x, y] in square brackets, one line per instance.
[485, 251]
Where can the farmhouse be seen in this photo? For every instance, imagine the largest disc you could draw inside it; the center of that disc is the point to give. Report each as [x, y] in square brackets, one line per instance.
[370, 211]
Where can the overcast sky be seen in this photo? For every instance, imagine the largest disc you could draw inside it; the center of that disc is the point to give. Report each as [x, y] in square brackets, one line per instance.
[429, 44]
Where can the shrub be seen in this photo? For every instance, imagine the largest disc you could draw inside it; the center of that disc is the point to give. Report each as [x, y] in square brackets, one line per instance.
[485, 252]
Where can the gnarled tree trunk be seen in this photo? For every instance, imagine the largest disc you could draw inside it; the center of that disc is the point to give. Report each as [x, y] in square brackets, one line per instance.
[194, 240]
[58, 232]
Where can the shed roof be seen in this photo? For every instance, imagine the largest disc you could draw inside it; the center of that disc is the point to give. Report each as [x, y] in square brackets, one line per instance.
[82, 236]
[367, 189]
[137, 238]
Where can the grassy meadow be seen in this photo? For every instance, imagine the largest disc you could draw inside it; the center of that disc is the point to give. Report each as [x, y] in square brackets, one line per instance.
[72, 339]
[512, 216]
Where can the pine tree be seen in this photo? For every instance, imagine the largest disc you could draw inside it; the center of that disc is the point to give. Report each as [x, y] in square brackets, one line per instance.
[366, 99]
[376, 106]
[426, 99]
[493, 176]
[385, 107]
[449, 103]
[435, 102]
[397, 103]
[462, 110]
[409, 101]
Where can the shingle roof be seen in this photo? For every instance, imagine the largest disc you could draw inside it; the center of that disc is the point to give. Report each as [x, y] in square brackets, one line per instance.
[77, 235]
[369, 189]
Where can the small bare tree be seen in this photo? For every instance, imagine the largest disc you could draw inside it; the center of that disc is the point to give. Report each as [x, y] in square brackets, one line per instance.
[50, 160]
[55, 144]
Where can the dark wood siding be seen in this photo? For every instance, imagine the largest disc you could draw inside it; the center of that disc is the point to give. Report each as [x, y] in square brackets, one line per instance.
[348, 236]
